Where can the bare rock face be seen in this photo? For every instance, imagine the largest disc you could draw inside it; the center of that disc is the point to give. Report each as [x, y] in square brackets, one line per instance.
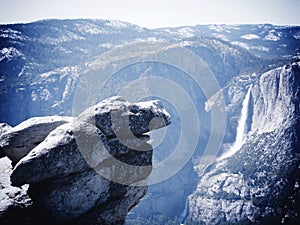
[57, 155]
[116, 116]
[20, 140]
[259, 184]
[92, 170]
[3, 128]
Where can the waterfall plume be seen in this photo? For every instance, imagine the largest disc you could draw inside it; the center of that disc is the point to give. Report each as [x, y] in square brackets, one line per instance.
[241, 128]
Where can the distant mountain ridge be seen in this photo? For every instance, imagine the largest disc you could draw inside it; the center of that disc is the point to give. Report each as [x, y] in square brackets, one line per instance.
[259, 39]
[60, 49]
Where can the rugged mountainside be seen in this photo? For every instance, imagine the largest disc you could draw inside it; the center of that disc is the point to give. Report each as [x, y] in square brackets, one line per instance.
[258, 39]
[42, 63]
[260, 183]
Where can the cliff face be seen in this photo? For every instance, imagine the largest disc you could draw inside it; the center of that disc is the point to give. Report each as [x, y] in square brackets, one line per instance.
[259, 183]
[276, 99]
[86, 170]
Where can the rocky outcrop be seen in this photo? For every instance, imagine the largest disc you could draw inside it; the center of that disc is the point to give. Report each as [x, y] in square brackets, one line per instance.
[260, 183]
[92, 170]
[3, 128]
[115, 116]
[20, 140]
[14, 201]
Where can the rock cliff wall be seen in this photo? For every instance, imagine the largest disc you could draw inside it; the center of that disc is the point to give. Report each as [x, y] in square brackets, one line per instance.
[260, 183]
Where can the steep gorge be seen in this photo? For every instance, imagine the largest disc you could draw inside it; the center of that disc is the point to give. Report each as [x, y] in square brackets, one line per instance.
[260, 182]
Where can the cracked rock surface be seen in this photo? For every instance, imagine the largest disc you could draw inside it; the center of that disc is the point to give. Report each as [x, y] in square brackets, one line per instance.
[86, 170]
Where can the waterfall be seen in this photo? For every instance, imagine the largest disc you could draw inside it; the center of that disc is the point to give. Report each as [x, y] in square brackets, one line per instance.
[241, 128]
[185, 212]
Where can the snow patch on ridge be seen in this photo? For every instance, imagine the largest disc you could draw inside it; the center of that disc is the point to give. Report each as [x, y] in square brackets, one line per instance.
[297, 36]
[216, 27]
[220, 36]
[250, 36]
[9, 53]
[273, 36]
[117, 24]
[186, 32]
[241, 44]
[244, 45]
